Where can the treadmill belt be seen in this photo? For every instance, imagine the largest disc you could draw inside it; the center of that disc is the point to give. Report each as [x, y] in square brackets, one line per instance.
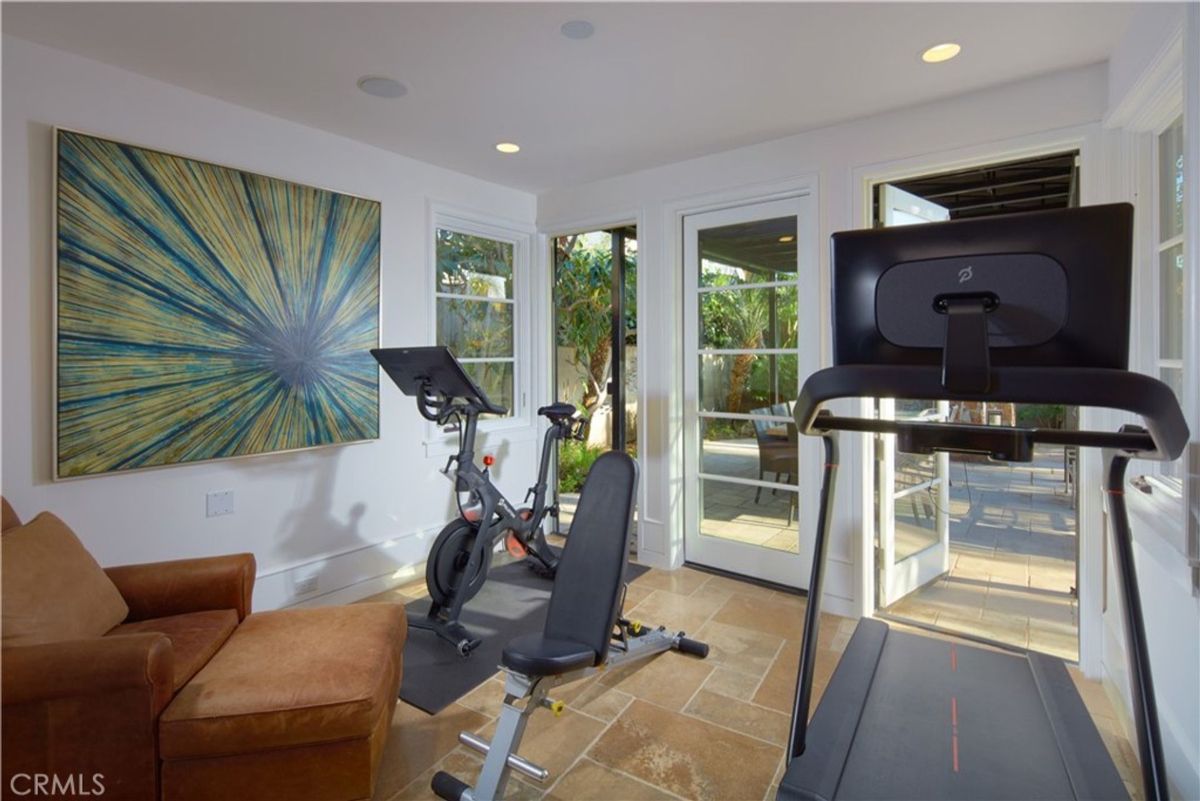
[941, 720]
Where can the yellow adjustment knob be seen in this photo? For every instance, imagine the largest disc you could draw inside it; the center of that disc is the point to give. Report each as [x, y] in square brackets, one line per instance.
[557, 708]
[636, 626]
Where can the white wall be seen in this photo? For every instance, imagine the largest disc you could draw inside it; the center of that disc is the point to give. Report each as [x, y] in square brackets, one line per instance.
[1148, 89]
[1064, 106]
[356, 514]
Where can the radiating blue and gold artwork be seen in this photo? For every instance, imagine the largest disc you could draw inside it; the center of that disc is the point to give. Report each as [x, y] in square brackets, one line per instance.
[206, 312]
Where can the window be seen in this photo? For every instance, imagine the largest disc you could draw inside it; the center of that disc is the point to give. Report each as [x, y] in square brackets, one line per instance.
[1171, 268]
[476, 308]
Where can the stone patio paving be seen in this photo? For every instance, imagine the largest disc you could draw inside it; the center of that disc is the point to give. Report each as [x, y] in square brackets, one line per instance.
[1012, 558]
[757, 516]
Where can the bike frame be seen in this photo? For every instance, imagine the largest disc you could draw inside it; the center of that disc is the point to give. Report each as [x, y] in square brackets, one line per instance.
[504, 516]
[497, 514]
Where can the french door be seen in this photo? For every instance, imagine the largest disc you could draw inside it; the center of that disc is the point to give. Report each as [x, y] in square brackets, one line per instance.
[914, 505]
[913, 492]
[751, 336]
[595, 351]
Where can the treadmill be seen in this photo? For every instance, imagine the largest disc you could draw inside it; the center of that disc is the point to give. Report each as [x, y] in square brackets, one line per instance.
[1026, 308]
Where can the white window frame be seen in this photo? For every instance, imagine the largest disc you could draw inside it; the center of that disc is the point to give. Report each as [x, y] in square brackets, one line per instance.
[444, 217]
[1170, 475]
[1164, 92]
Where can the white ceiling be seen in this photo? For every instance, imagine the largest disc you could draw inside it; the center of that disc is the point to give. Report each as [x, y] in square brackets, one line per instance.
[657, 83]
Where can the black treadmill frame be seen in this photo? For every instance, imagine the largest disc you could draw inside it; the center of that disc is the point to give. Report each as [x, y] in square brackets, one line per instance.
[1008, 444]
[1082, 364]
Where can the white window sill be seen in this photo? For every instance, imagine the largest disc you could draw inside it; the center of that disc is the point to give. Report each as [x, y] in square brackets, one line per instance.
[1157, 521]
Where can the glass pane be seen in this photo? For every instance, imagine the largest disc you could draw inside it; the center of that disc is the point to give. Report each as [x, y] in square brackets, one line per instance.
[1170, 181]
[475, 328]
[473, 265]
[1170, 303]
[741, 319]
[631, 361]
[906, 409]
[748, 253]
[583, 317]
[916, 504]
[752, 515]
[1173, 378]
[745, 382]
[495, 379]
[764, 450]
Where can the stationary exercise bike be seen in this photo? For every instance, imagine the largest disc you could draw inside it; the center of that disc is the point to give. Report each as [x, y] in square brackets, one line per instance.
[462, 553]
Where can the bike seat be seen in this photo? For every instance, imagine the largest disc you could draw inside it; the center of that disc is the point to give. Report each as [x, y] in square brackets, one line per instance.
[558, 411]
[538, 655]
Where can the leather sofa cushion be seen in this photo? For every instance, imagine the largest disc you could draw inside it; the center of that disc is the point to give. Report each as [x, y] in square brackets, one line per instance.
[52, 587]
[194, 637]
[288, 678]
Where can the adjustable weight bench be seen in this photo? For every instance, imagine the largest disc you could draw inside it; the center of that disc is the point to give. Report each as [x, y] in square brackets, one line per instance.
[584, 632]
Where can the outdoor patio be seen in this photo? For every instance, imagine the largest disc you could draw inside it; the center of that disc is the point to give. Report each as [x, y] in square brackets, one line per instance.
[742, 512]
[1012, 557]
[1012, 544]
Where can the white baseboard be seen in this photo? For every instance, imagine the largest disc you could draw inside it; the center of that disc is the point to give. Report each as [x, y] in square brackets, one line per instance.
[365, 588]
[345, 576]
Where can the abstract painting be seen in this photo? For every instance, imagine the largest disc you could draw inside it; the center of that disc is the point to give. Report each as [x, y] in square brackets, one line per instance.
[205, 312]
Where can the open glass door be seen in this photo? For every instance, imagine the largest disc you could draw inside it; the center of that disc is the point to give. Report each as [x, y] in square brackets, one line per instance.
[750, 299]
[595, 345]
[913, 492]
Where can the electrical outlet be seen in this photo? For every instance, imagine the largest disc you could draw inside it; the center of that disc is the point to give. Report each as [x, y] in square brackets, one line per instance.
[307, 585]
[218, 503]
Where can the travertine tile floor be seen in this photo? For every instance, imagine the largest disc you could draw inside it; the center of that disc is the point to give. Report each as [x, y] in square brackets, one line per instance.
[671, 728]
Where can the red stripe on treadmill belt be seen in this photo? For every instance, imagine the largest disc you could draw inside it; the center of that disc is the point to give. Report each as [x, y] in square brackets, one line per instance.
[953, 658]
[954, 730]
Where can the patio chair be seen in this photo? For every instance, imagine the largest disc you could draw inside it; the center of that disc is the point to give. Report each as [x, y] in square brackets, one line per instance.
[777, 453]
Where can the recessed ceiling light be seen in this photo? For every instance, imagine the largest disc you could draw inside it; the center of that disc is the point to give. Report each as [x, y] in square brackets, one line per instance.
[577, 29]
[378, 86]
[787, 238]
[508, 147]
[941, 52]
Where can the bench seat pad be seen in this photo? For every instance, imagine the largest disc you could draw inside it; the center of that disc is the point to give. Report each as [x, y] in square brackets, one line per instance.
[538, 655]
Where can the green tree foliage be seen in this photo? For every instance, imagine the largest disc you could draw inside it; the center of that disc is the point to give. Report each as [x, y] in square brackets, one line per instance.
[575, 459]
[583, 309]
[741, 320]
[477, 267]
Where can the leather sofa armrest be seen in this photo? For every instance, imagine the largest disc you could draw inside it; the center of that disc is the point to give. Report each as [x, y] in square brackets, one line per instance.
[87, 708]
[91, 667]
[160, 589]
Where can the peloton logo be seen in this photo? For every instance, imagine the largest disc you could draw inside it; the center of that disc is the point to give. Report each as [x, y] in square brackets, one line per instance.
[965, 274]
[52, 785]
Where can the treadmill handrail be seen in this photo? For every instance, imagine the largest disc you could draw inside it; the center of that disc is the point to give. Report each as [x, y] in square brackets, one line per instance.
[1149, 398]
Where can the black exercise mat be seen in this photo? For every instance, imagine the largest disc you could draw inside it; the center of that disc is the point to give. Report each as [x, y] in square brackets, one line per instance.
[512, 602]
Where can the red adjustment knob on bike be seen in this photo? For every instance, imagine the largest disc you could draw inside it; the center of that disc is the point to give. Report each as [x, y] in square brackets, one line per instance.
[489, 460]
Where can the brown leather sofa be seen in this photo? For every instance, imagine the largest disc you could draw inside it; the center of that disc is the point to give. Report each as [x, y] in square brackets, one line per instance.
[156, 681]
